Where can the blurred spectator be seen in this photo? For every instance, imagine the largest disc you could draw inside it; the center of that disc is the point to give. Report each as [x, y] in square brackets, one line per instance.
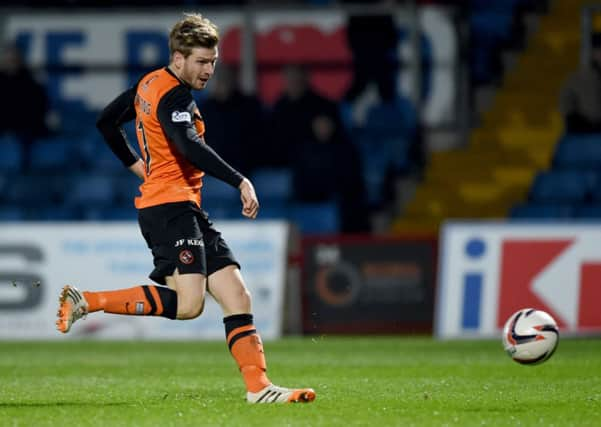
[580, 98]
[327, 167]
[25, 103]
[290, 122]
[373, 41]
[235, 121]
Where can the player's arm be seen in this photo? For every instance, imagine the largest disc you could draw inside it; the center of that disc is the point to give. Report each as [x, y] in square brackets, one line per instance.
[119, 111]
[176, 115]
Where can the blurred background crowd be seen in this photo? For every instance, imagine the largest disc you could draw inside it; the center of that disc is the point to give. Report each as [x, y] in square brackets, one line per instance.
[351, 117]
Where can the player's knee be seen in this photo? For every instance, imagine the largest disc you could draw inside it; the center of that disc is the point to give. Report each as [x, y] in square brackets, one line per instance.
[244, 298]
[190, 310]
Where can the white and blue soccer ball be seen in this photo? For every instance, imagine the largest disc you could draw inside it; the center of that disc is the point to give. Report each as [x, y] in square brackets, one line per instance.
[530, 336]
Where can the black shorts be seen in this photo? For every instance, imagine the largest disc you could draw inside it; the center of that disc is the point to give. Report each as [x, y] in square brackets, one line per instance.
[181, 236]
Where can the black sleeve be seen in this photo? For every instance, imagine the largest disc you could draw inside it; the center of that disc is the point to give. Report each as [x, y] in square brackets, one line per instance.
[176, 115]
[119, 111]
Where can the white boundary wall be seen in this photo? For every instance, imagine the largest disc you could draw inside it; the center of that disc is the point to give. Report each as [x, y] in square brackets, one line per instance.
[488, 270]
[97, 256]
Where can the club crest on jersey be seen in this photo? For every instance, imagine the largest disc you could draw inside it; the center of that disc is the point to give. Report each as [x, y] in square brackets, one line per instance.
[186, 257]
[181, 117]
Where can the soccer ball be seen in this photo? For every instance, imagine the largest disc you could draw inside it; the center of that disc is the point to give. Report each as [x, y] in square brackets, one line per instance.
[530, 336]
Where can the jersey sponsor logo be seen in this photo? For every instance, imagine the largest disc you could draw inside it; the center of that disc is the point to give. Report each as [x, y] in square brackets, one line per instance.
[189, 242]
[186, 257]
[181, 117]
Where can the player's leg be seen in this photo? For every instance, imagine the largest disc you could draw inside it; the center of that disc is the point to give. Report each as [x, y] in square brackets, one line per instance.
[146, 300]
[173, 234]
[190, 289]
[227, 287]
[182, 299]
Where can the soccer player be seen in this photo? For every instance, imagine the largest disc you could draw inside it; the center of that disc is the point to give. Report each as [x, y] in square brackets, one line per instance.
[190, 256]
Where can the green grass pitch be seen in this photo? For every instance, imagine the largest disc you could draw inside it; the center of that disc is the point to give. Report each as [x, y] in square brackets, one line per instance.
[360, 381]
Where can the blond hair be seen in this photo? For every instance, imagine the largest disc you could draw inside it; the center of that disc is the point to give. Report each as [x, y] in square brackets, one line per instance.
[192, 31]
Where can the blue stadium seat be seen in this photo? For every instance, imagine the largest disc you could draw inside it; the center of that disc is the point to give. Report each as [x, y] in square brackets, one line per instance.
[127, 188]
[562, 186]
[272, 209]
[537, 211]
[578, 152]
[385, 139]
[55, 213]
[105, 160]
[384, 143]
[380, 159]
[588, 211]
[580, 138]
[33, 190]
[226, 210]
[76, 118]
[53, 154]
[493, 26]
[215, 192]
[391, 120]
[87, 148]
[5, 181]
[110, 213]
[87, 190]
[12, 213]
[505, 6]
[596, 193]
[273, 184]
[11, 159]
[316, 218]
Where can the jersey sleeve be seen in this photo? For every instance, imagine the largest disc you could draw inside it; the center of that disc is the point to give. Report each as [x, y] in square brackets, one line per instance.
[176, 116]
[119, 111]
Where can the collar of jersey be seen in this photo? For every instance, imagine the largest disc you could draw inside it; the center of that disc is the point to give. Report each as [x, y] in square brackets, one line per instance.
[178, 79]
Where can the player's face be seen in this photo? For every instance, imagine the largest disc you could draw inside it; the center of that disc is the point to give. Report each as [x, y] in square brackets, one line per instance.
[199, 67]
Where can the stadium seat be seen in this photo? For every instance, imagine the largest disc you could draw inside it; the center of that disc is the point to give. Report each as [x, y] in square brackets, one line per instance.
[272, 209]
[110, 213]
[596, 193]
[215, 192]
[230, 210]
[54, 213]
[578, 152]
[12, 213]
[541, 211]
[316, 218]
[562, 186]
[588, 211]
[391, 120]
[96, 190]
[273, 184]
[33, 190]
[127, 188]
[380, 159]
[105, 160]
[11, 159]
[53, 154]
[76, 118]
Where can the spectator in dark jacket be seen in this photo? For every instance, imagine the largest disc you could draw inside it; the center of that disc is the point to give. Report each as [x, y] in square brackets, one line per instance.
[236, 121]
[290, 122]
[25, 103]
[580, 98]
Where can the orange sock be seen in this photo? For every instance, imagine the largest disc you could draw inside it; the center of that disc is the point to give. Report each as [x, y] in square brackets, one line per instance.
[247, 349]
[140, 300]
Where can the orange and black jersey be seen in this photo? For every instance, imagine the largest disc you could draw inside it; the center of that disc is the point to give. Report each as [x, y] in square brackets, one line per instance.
[170, 134]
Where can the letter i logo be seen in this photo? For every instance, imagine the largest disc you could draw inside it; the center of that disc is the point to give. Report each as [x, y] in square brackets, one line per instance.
[475, 249]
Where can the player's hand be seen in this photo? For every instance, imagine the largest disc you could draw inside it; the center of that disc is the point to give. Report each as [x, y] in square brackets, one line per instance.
[250, 203]
[138, 169]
